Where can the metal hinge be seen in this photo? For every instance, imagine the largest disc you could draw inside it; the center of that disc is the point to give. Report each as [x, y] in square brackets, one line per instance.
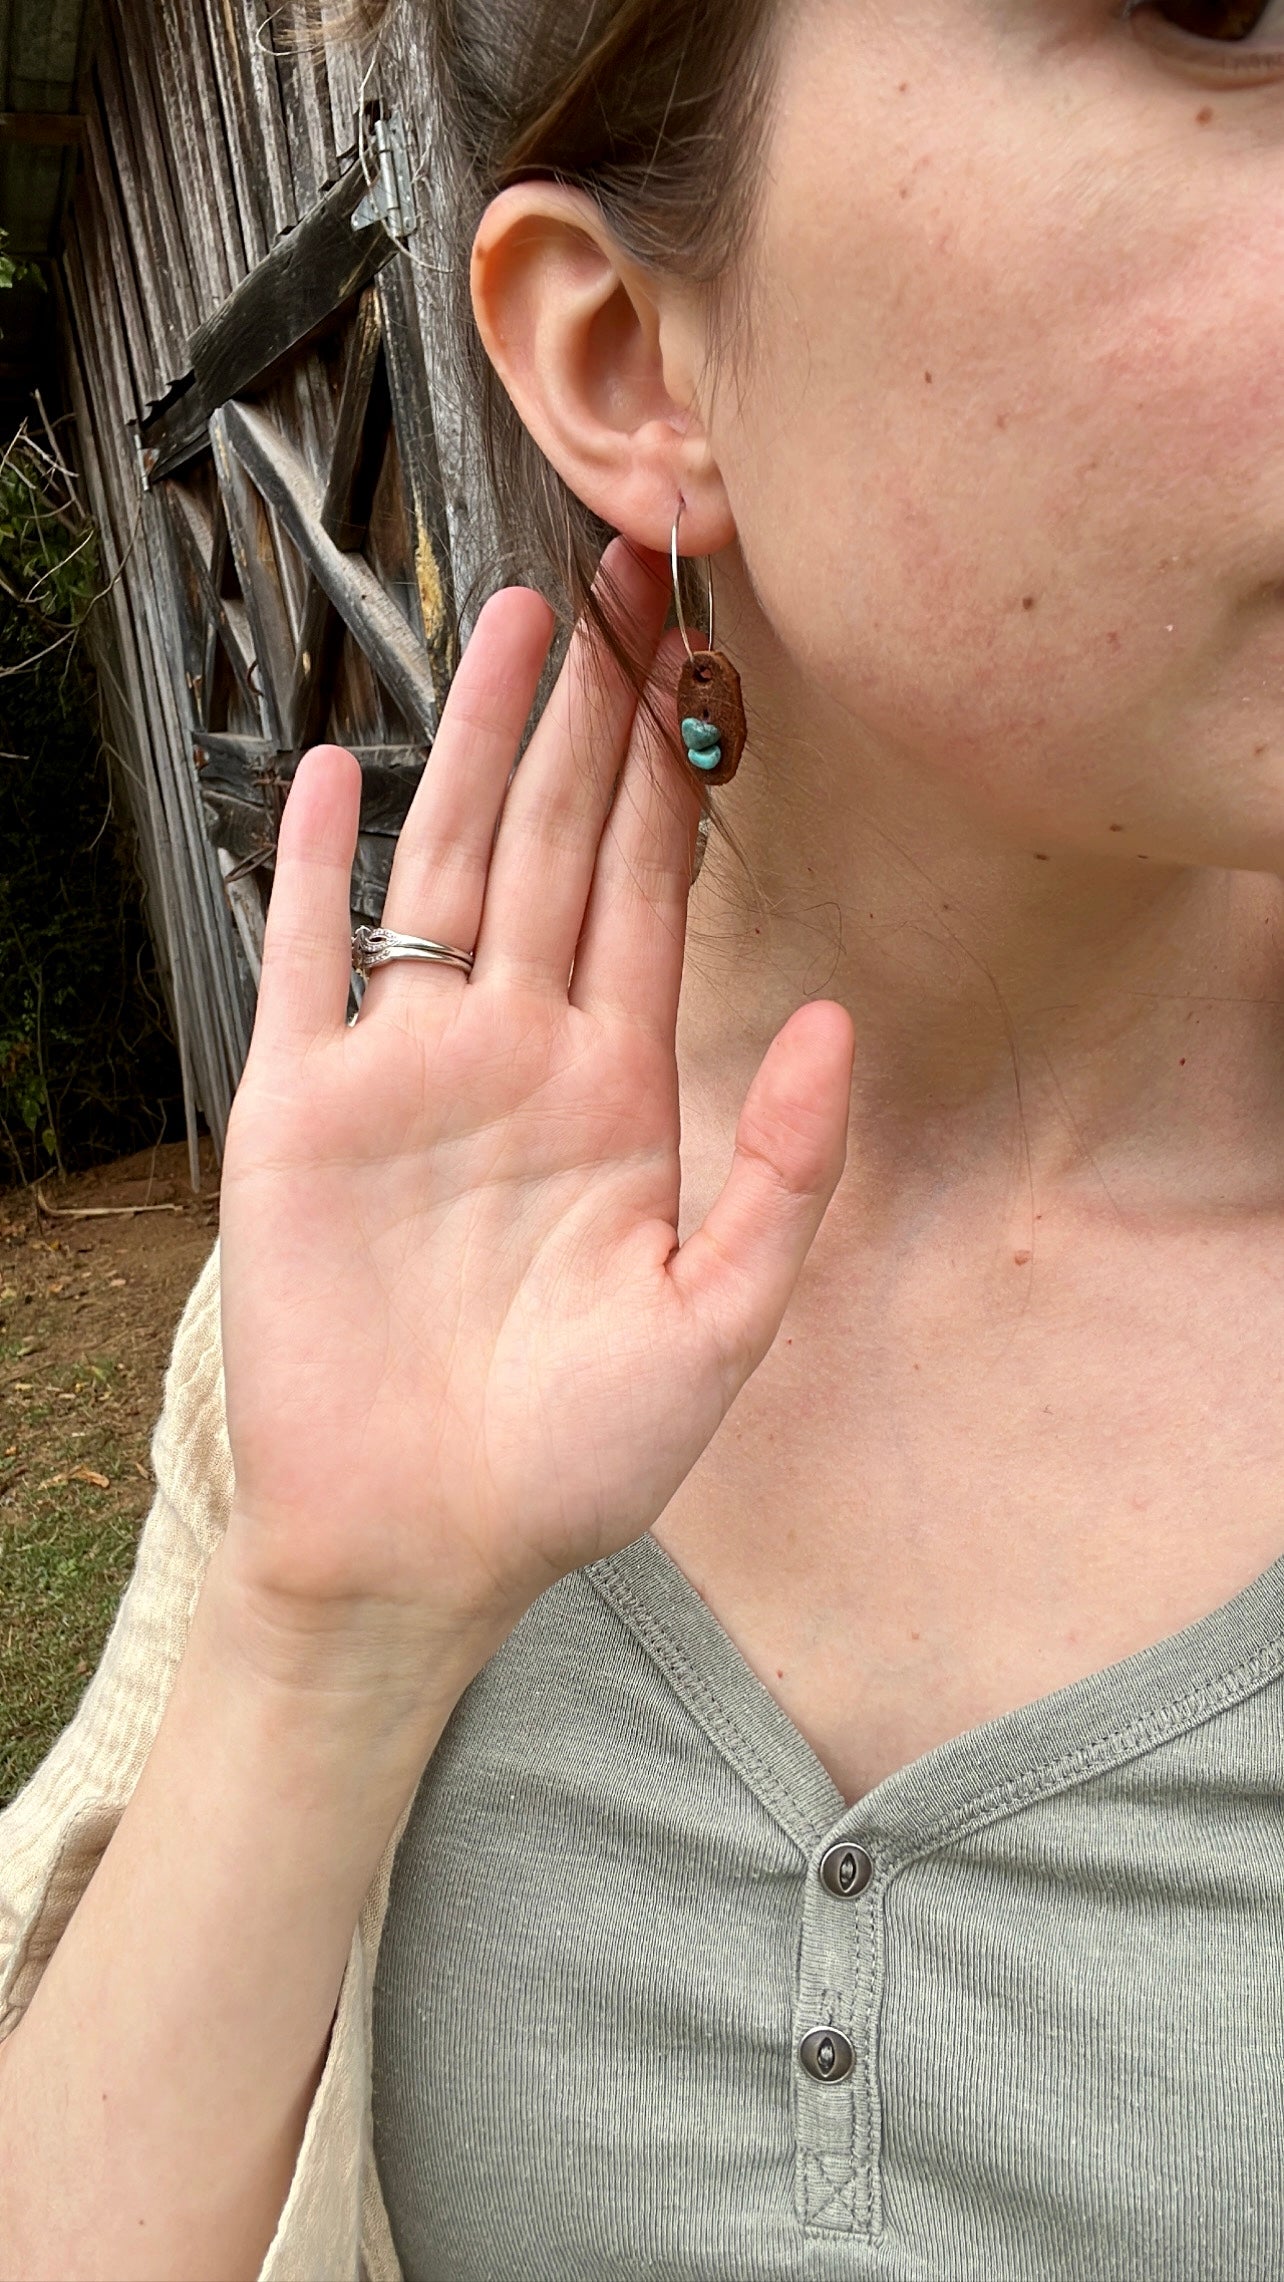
[390, 198]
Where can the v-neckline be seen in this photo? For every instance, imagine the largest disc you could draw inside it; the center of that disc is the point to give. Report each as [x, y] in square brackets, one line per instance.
[1067, 1737]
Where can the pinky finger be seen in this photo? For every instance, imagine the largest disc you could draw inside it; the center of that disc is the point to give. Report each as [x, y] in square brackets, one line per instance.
[738, 1271]
[307, 948]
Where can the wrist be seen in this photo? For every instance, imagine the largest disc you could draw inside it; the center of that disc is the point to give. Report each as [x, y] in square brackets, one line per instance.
[380, 1678]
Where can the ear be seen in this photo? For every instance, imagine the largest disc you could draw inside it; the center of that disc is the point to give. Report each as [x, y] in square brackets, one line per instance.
[602, 361]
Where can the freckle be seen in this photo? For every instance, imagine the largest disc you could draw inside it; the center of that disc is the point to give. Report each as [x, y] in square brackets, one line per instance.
[916, 1636]
[1258, 751]
[1143, 859]
[779, 1672]
[905, 190]
[1182, 1064]
[1022, 1259]
[1038, 858]
[928, 378]
[1116, 827]
[1113, 639]
[1204, 118]
[1002, 420]
[1028, 601]
[904, 87]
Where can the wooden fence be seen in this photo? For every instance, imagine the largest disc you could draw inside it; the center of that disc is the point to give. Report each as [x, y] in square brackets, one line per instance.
[249, 295]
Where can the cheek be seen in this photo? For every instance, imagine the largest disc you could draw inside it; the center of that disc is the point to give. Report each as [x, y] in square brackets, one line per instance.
[1011, 467]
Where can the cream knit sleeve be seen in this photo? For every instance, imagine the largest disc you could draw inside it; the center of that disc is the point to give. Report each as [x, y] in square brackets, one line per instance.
[333, 2227]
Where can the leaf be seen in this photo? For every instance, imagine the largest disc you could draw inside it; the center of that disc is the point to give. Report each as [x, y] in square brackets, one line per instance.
[87, 1474]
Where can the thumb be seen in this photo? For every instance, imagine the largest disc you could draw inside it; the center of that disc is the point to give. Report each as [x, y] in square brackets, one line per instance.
[737, 1272]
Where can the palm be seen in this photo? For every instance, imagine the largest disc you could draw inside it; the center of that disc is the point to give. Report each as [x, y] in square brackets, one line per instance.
[464, 1354]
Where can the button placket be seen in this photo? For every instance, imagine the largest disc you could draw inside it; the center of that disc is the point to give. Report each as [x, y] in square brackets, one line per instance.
[836, 2097]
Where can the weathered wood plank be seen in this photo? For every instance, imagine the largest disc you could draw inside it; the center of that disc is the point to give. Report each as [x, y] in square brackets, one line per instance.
[229, 766]
[158, 173]
[232, 83]
[314, 659]
[87, 260]
[98, 203]
[207, 903]
[239, 755]
[192, 614]
[371, 870]
[290, 297]
[204, 205]
[420, 471]
[300, 68]
[252, 26]
[202, 987]
[142, 224]
[247, 910]
[373, 618]
[353, 81]
[175, 434]
[197, 546]
[118, 681]
[258, 572]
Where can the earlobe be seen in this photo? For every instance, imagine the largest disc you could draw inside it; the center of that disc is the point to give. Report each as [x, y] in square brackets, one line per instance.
[598, 357]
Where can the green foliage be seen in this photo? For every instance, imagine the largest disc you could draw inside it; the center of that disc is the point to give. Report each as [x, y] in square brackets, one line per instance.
[87, 1069]
[15, 271]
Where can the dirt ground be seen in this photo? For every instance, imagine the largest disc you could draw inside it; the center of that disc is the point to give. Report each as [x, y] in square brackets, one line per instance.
[88, 1311]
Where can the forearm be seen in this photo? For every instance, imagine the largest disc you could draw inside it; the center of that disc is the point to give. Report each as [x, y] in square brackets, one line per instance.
[153, 2098]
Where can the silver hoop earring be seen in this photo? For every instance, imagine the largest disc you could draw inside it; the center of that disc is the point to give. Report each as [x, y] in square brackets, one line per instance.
[711, 706]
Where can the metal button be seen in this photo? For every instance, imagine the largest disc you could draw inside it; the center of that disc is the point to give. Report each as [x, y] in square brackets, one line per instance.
[845, 1870]
[827, 2055]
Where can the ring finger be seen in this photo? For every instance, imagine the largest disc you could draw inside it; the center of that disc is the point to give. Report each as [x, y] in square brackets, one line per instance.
[439, 871]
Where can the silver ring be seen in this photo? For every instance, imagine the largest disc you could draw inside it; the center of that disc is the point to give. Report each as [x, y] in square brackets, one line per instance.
[378, 946]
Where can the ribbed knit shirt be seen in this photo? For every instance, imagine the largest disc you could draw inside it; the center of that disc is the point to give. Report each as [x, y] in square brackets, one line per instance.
[614, 2008]
[1059, 1971]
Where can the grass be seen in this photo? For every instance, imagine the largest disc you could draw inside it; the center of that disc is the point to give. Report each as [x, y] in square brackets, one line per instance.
[88, 1310]
[65, 1560]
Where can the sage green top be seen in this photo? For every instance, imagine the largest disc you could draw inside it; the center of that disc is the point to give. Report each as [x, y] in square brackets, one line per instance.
[1063, 1985]
[604, 1942]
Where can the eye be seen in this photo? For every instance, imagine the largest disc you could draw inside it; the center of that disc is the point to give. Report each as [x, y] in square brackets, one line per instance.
[1223, 20]
[1216, 35]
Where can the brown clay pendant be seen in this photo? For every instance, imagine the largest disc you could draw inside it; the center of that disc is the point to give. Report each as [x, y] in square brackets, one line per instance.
[711, 706]
[711, 711]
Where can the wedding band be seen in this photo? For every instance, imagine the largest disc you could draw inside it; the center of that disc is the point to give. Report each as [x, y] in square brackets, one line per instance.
[378, 946]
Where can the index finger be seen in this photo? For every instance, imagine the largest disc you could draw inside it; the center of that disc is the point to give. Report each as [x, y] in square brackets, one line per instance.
[307, 956]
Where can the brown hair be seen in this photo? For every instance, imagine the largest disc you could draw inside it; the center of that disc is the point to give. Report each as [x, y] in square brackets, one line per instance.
[656, 108]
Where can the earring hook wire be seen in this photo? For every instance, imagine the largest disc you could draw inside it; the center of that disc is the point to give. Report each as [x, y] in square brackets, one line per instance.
[677, 590]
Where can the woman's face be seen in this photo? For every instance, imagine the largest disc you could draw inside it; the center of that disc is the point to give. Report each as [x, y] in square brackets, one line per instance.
[1006, 449]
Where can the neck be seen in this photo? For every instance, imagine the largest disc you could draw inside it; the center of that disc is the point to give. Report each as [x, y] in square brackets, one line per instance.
[1023, 1012]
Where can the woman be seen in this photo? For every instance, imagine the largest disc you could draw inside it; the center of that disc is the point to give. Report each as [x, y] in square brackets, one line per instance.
[846, 1842]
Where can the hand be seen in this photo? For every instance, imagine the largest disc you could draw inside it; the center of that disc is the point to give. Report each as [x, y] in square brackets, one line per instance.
[464, 1353]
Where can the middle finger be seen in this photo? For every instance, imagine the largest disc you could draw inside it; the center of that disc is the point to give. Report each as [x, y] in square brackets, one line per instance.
[552, 820]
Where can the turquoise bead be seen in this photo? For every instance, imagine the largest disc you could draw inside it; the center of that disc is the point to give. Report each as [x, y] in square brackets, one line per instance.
[700, 736]
[707, 760]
